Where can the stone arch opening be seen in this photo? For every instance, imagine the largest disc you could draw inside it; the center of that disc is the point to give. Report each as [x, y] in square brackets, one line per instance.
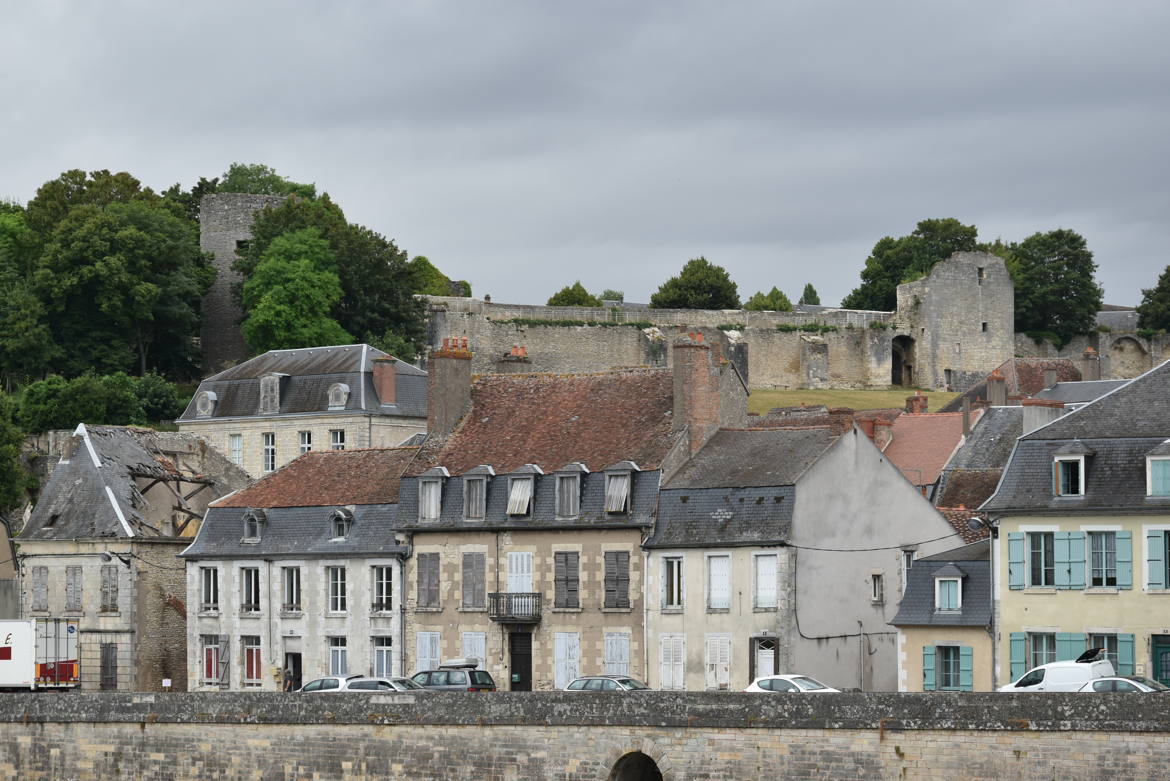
[635, 766]
[902, 365]
[1127, 358]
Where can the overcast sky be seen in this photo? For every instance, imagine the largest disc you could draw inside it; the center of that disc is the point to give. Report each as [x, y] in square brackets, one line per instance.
[523, 145]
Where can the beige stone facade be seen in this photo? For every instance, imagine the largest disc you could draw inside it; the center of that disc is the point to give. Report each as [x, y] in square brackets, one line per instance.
[911, 641]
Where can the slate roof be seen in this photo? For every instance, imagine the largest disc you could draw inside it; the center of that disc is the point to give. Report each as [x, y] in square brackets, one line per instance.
[329, 477]
[1022, 377]
[917, 606]
[723, 517]
[974, 471]
[550, 420]
[1138, 408]
[1079, 392]
[923, 443]
[311, 371]
[740, 458]
[296, 532]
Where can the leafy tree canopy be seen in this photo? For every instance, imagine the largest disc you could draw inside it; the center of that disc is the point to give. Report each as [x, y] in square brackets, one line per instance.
[700, 285]
[772, 301]
[428, 280]
[574, 295]
[894, 261]
[57, 197]
[1154, 310]
[1055, 287]
[809, 295]
[57, 403]
[15, 482]
[609, 294]
[259, 179]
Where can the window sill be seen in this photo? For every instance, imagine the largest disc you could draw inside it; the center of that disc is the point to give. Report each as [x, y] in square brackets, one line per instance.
[764, 609]
[1040, 589]
[204, 614]
[109, 613]
[337, 614]
[617, 610]
[573, 609]
[718, 610]
[467, 609]
[292, 614]
[74, 614]
[251, 614]
[435, 609]
[382, 613]
[1103, 590]
[674, 610]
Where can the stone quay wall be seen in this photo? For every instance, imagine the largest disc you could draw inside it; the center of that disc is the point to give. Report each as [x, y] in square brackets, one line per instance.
[541, 735]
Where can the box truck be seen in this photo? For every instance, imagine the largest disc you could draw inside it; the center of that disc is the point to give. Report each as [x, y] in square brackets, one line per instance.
[39, 653]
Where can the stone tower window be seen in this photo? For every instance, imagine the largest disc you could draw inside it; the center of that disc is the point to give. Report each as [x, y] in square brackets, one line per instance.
[981, 274]
[338, 395]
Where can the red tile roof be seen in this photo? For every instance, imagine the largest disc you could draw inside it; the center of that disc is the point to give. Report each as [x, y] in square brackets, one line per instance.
[329, 478]
[923, 443]
[1025, 376]
[959, 518]
[551, 420]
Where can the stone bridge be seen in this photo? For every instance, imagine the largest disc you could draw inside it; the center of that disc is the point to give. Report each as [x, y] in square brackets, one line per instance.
[596, 736]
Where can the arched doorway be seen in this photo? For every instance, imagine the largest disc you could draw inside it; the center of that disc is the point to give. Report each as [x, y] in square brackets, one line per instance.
[635, 766]
[902, 365]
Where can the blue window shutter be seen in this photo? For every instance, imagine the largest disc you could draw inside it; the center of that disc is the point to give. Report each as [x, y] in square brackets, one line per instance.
[965, 667]
[1017, 658]
[1156, 561]
[1015, 560]
[1125, 654]
[928, 655]
[1076, 560]
[1124, 560]
[1069, 646]
[1060, 557]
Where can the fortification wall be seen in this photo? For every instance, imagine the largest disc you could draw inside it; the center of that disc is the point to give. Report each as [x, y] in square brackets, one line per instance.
[521, 736]
[1122, 354]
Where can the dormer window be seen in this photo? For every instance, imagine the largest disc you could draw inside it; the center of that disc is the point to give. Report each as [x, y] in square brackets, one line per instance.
[270, 394]
[475, 483]
[568, 488]
[1069, 476]
[205, 404]
[338, 395]
[342, 521]
[1158, 470]
[617, 492]
[253, 525]
[520, 487]
[430, 492]
[948, 594]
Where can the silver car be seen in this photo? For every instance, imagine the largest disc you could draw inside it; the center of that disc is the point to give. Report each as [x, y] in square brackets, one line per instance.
[1124, 683]
[605, 683]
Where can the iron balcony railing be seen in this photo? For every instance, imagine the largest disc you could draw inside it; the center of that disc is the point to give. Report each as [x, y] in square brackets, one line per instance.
[514, 607]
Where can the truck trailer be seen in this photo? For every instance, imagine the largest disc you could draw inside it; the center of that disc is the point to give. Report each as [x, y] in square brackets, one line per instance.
[39, 653]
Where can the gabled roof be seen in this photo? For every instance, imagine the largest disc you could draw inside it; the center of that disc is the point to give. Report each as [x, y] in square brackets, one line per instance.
[923, 443]
[723, 517]
[738, 458]
[550, 420]
[974, 471]
[1138, 408]
[329, 478]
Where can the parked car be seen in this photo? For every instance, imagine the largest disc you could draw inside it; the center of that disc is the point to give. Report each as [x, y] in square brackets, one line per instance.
[789, 683]
[1124, 683]
[606, 683]
[330, 683]
[458, 675]
[382, 684]
[1066, 676]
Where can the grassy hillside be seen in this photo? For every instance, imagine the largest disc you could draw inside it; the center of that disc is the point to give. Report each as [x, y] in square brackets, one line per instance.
[763, 400]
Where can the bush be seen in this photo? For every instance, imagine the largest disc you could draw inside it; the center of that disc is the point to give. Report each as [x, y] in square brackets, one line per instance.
[56, 403]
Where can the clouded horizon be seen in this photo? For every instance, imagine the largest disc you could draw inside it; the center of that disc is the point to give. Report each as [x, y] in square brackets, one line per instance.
[524, 145]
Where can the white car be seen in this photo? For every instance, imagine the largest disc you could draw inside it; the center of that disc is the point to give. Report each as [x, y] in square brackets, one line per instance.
[789, 683]
[1124, 683]
[1066, 676]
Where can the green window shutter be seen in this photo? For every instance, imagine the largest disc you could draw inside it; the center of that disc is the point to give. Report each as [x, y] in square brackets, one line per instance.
[1015, 559]
[1124, 560]
[1076, 560]
[1017, 657]
[1156, 560]
[966, 665]
[1060, 557]
[928, 655]
[1069, 646]
[1125, 649]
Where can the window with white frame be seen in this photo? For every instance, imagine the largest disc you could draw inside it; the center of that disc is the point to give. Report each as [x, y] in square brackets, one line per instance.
[253, 661]
[429, 493]
[337, 439]
[338, 656]
[718, 582]
[427, 650]
[672, 657]
[520, 572]
[208, 589]
[474, 646]
[568, 496]
[249, 589]
[382, 580]
[1042, 648]
[306, 441]
[342, 520]
[877, 587]
[1102, 559]
[1108, 642]
[1041, 567]
[268, 445]
[338, 395]
[383, 656]
[338, 596]
[765, 575]
[290, 581]
[236, 448]
[519, 495]
[907, 563]
[672, 583]
[213, 659]
[1158, 476]
[616, 658]
[253, 526]
[948, 594]
[948, 660]
[474, 498]
[717, 654]
[566, 658]
[617, 492]
[1068, 474]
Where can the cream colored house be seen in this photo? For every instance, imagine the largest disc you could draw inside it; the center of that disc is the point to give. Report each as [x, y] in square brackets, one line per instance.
[270, 409]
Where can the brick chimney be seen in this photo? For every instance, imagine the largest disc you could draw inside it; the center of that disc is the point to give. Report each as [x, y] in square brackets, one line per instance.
[996, 389]
[1090, 365]
[385, 379]
[918, 403]
[697, 401]
[448, 386]
[883, 433]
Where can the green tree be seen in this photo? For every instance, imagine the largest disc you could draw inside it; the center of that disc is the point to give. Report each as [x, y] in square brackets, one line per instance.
[160, 399]
[57, 197]
[26, 344]
[57, 403]
[772, 301]
[259, 179]
[428, 280]
[809, 295]
[1055, 289]
[1154, 310]
[289, 297]
[574, 295]
[15, 482]
[894, 261]
[185, 203]
[609, 294]
[700, 285]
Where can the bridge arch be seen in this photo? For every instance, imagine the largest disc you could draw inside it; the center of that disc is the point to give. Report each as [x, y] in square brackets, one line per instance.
[635, 766]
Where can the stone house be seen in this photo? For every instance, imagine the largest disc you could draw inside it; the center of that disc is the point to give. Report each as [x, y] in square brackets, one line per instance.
[1083, 517]
[944, 622]
[270, 409]
[299, 572]
[99, 548]
[527, 508]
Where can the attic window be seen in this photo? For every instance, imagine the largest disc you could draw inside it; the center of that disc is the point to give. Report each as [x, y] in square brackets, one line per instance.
[617, 492]
[338, 395]
[342, 521]
[205, 404]
[948, 594]
[52, 521]
[519, 495]
[568, 496]
[429, 499]
[1068, 476]
[474, 498]
[253, 524]
[269, 394]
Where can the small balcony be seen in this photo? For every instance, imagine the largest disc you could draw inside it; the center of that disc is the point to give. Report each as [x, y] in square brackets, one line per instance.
[514, 608]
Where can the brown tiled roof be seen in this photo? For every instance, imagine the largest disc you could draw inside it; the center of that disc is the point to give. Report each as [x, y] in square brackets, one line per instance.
[959, 518]
[1025, 376]
[969, 487]
[329, 478]
[840, 419]
[923, 443]
[551, 420]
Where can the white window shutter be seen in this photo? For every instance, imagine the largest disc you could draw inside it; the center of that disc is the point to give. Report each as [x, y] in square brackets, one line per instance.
[719, 582]
[718, 661]
[475, 644]
[765, 581]
[520, 572]
[666, 663]
[617, 653]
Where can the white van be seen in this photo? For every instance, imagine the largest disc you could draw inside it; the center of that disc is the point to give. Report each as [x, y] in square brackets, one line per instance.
[1067, 676]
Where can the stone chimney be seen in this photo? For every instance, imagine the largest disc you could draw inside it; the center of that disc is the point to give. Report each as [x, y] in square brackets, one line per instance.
[883, 433]
[1090, 365]
[385, 379]
[996, 389]
[448, 386]
[866, 426]
[1038, 412]
[966, 417]
[697, 398]
[1049, 378]
[918, 403]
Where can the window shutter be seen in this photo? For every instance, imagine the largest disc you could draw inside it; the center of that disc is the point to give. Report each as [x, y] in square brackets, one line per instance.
[1076, 560]
[107, 602]
[617, 653]
[611, 593]
[572, 580]
[928, 668]
[73, 588]
[40, 582]
[1125, 559]
[520, 572]
[719, 586]
[665, 655]
[765, 581]
[1061, 559]
[1156, 560]
[622, 559]
[1069, 646]
[1125, 653]
[678, 662]
[1015, 560]
[1019, 666]
[966, 666]
[560, 584]
[1160, 477]
[469, 579]
[711, 655]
